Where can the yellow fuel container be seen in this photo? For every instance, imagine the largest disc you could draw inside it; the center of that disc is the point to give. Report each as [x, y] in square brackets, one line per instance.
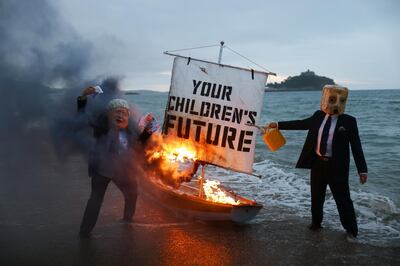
[273, 138]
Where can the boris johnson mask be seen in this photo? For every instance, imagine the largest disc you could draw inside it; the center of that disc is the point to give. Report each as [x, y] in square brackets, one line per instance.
[118, 113]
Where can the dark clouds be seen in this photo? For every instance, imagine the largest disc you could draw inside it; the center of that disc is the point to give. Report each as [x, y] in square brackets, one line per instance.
[344, 40]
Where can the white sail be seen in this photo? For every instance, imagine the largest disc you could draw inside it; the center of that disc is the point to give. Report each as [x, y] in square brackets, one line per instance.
[210, 104]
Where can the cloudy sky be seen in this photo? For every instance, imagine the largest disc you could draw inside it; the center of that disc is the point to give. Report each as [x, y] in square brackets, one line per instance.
[355, 42]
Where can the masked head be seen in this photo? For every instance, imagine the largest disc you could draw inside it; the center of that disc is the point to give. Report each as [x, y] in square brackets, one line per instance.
[334, 99]
[118, 113]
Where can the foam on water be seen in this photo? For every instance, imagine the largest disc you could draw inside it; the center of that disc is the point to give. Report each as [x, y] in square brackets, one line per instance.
[376, 203]
[378, 216]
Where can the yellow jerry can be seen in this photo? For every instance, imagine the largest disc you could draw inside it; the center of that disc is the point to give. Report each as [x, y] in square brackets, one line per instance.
[273, 138]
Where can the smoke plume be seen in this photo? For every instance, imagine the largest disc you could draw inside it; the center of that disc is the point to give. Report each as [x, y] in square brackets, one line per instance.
[39, 54]
[38, 51]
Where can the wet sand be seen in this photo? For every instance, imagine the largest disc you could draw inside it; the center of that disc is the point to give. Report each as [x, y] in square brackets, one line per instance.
[41, 212]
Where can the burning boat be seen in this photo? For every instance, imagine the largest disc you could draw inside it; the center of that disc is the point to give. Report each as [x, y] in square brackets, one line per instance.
[208, 118]
[200, 198]
[187, 200]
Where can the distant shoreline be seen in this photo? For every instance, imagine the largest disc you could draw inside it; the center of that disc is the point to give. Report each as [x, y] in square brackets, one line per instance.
[141, 91]
[303, 90]
[292, 89]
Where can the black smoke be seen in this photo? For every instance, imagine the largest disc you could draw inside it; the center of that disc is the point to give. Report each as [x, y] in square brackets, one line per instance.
[38, 51]
[42, 66]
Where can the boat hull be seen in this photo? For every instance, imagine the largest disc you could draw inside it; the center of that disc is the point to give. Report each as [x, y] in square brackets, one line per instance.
[185, 201]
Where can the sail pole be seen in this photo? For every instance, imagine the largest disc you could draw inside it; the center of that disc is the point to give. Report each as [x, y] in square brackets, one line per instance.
[221, 48]
[201, 181]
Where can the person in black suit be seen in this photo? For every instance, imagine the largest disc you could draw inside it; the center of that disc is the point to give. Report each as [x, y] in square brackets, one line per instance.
[326, 152]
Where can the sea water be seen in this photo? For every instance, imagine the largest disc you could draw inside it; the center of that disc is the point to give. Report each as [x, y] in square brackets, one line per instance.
[377, 202]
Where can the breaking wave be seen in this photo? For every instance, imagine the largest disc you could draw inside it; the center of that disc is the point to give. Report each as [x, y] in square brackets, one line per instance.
[378, 216]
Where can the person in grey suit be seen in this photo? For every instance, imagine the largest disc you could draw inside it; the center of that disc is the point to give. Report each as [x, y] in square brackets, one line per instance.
[326, 152]
[116, 157]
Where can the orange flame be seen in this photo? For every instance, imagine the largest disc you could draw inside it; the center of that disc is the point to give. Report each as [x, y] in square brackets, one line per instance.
[174, 153]
[165, 155]
[214, 193]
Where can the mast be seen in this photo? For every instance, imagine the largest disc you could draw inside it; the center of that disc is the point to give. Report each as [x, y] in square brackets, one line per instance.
[201, 181]
[221, 48]
[202, 177]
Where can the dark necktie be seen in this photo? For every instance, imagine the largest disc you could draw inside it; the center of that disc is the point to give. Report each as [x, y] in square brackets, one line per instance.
[324, 137]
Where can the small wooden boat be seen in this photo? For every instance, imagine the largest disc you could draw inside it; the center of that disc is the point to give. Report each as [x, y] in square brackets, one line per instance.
[185, 200]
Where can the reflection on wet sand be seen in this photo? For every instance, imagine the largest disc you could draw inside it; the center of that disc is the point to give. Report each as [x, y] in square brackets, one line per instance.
[179, 245]
[38, 231]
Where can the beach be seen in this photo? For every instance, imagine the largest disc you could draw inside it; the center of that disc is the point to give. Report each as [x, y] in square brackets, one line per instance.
[43, 196]
[40, 222]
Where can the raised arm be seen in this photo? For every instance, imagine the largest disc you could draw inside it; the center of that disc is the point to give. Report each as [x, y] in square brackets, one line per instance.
[82, 99]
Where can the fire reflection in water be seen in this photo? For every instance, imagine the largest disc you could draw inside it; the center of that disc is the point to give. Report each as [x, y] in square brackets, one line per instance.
[180, 245]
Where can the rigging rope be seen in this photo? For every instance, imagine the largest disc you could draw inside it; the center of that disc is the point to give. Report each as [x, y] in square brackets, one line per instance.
[248, 59]
[225, 46]
[193, 48]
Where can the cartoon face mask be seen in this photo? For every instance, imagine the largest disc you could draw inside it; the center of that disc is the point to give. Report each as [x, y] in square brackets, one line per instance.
[119, 117]
[118, 113]
[334, 99]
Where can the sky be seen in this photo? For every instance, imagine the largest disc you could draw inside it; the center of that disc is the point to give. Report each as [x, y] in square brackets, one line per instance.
[355, 42]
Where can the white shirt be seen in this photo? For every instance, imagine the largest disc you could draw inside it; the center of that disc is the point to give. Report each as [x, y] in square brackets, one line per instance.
[123, 140]
[330, 137]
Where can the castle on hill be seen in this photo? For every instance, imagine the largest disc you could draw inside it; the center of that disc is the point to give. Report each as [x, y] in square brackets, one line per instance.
[307, 80]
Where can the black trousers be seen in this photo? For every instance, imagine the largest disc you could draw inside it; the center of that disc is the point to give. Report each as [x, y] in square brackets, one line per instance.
[321, 176]
[99, 187]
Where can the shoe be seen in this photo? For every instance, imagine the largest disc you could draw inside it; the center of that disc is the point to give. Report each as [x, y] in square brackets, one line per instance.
[314, 227]
[351, 237]
[351, 234]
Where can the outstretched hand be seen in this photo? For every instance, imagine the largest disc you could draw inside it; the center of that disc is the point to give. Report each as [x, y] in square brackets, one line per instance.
[273, 125]
[88, 91]
[363, 178]
[150, 123]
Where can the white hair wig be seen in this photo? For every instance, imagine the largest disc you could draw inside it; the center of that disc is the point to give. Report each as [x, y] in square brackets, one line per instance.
[117, 103]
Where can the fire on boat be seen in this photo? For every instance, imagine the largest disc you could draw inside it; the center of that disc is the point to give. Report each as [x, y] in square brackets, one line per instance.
[170, 182]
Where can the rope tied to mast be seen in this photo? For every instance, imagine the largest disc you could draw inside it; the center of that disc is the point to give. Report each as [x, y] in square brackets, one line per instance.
[248, 59]
[194, 48]
[222, 44]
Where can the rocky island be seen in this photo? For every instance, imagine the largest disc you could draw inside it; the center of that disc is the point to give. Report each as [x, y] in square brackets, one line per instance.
[306, 81]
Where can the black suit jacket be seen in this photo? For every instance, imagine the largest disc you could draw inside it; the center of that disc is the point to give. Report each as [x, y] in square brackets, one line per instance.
[345, 135]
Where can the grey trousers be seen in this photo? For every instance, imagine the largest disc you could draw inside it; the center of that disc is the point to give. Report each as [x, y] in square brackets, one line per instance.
[99, 187]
